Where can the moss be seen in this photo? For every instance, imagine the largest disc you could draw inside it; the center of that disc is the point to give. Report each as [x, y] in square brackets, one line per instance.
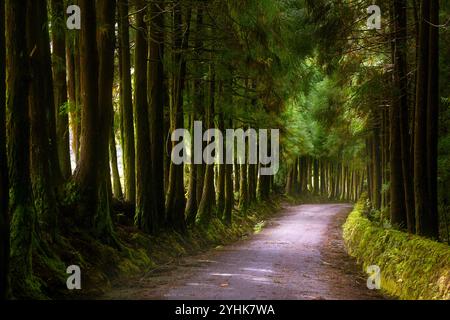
[102, 264]
[412, 267]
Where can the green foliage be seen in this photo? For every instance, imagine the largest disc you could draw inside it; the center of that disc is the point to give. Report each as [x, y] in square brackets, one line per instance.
[412, 267]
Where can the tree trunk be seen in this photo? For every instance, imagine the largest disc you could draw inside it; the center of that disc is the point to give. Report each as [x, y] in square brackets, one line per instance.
[21, 210]
[229, 195]
[376, 154]
[316, 176]
[117, 187]
[146, 215]
[175, 199]
[243, 196]
[288, 189]
[4, 180]
[156, 103]
[191, 205]
[126, 105]
[41, 108]
[60, 86]
[430, 223]
[421, 179]
[221, 172]
[400, 108]
[206, 205]
[237, 180]
[73, 93]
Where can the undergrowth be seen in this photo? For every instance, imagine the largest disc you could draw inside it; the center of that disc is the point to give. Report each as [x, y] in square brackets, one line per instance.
[412, 267]
[102, 265]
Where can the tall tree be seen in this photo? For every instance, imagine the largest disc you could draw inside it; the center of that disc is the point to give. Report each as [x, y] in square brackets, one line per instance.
[126, 104]
[425, 131]
[207, 203]
[106, 10]
[400, 139]
[156, 103]
[146, 216]
[175, 199]
[430, 224]
[4, 181]
[21, 210]
[196, 170]
[60, 86]
[41, 104]
[90, 175]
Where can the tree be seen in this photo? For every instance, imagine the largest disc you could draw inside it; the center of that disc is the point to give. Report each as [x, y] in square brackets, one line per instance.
[425, 131]
[94, 201]
[430, 223]
[4, 184]
[126, 104]
[106, 10]
[401, 183]
[41, 107]
[156, 103]
[146, 215]
[207, 203]
[60, 86]
[18, 131]
[196, 170]
[175, 199]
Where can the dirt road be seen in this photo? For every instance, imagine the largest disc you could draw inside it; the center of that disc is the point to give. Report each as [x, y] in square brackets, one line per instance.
[299, 255]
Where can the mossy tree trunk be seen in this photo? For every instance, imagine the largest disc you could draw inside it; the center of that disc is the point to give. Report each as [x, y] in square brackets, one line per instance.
[41, 111]
[21, 208]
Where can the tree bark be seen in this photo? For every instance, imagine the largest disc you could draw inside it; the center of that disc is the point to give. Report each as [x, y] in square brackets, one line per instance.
[21, 210]
[156, 103]
[207, 202]
[430, 223]
[4, 180]
[400, 108]
[421, 178]
[175, 199]
[41, 109]
[60, 86]
[126, 105]
[146, 215]
[117, 187]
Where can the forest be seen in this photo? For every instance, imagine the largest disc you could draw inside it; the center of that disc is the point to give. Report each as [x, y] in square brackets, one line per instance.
[87, 115]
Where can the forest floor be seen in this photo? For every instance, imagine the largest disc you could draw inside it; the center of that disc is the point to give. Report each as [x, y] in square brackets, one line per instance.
[298, 255]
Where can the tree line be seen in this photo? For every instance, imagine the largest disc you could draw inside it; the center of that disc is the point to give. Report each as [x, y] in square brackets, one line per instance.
[86, 115]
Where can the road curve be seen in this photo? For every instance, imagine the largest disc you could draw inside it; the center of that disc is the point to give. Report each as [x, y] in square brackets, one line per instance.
[299, 255]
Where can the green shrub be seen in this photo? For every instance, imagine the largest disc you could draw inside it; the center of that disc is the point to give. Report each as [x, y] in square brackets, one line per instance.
[412, 267]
